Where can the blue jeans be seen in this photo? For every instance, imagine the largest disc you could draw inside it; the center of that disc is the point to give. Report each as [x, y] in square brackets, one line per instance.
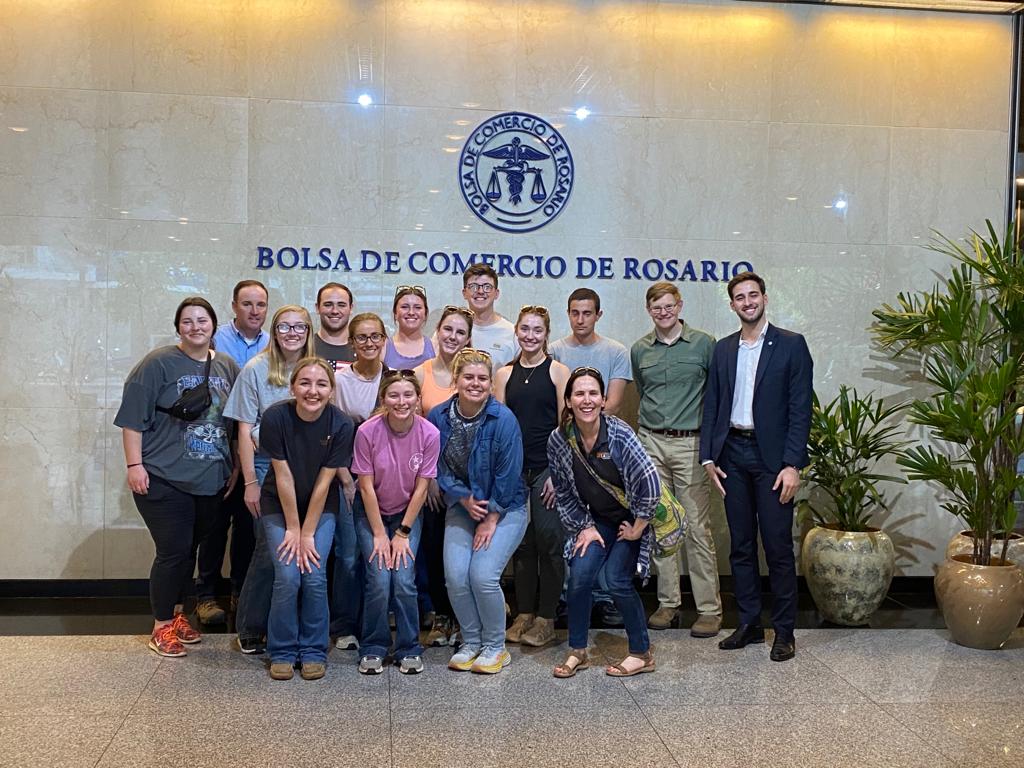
[299, 632]
[619, 561]
[347, 582]
[254, 599]
[474, 578]
[381, 585]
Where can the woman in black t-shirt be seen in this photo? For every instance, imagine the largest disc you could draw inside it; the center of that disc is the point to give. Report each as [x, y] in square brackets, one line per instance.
[307, 439]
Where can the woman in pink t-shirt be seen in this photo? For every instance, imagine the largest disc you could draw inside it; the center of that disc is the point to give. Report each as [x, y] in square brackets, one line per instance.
[394, 457]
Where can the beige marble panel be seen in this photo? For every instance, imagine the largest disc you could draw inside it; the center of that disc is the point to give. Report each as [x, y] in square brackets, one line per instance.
[836, 65]
[56, 43]
[181, 46]
[713, 60]
[53, 282]
[175, 157]
[576, 53]
[705, 180]
[952, 71]
[315, 164]
[452, 53]
[839, 177]
[945, 180]
[52, 486]
[53, 152]
[126, 544]
[316, 50]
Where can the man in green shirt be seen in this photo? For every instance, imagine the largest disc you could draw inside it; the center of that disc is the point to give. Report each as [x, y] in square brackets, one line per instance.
[670, 368]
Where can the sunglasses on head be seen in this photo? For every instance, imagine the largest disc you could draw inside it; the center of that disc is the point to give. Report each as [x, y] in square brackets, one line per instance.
[586, 370]
[533, 309]
[450, 309]
[419, 290]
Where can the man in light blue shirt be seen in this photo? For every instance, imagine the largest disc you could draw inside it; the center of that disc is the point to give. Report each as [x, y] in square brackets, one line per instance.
[244, 338]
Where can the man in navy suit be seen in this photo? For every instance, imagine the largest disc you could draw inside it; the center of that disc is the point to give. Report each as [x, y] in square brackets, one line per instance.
[753, 443]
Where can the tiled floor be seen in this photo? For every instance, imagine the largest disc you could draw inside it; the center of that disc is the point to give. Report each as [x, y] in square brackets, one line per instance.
[851, 697]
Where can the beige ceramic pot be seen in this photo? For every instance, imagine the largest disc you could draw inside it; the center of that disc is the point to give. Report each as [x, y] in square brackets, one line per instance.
[963, 544]
[981, 604]
[848, 573]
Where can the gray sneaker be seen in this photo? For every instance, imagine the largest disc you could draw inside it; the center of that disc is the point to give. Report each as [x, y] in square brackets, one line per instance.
[346, 643]
[410, 665]
[371, 665]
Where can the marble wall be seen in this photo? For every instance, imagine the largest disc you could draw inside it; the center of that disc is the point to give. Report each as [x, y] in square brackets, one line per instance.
[148, 149]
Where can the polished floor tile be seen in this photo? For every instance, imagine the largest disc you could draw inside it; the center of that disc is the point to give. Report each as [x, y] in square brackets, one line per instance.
[968, 734]
[54, 741]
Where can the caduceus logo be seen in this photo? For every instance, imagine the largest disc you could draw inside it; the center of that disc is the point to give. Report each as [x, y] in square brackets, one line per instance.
[516, 172]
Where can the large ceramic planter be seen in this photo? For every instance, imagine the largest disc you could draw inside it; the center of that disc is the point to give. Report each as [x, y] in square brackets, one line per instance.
[981, 604]
[963, 544]
[848, 573]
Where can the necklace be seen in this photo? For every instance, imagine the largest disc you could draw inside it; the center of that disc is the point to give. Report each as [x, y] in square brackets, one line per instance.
[532, 369]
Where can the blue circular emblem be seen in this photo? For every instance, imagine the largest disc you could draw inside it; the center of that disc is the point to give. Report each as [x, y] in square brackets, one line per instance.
[516, 172]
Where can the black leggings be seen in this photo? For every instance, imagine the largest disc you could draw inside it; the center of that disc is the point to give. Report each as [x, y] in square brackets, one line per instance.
[177, 521]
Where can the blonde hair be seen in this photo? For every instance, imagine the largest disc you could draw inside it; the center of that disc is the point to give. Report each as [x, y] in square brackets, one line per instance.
[469, 356]
[306, 362]
[658, 290]
[393, 377]
[278, 373]
[543, 314]
[366, 317]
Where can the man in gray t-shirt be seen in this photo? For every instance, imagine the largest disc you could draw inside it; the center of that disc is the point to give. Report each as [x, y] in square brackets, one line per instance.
[585, 348]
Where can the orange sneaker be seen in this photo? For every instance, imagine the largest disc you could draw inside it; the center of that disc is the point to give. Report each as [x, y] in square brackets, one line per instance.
[184, 630]
[165, 642]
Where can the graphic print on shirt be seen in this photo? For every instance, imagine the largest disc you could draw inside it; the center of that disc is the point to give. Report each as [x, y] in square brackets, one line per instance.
[416, 461]
[206, 439]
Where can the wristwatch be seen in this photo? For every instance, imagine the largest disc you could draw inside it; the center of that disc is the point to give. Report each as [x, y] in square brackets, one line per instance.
[404, 529]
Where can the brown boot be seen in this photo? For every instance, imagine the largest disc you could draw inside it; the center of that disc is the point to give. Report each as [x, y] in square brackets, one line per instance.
[664, 618]
[522, 623]
[706, 625]
[540, 633]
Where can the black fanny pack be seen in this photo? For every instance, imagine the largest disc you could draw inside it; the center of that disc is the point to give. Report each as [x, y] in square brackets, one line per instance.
[193, 402]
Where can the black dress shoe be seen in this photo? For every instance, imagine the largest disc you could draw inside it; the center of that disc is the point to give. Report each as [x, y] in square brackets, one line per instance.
[745, 634]
[783, 649]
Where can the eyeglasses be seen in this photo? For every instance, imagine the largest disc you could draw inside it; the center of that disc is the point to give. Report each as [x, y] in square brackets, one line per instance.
[362, 338]
[533, 309]
[485, 288]
[419, 290]
[293, 327]
[586, 370]
[665, 310]
[450, 309]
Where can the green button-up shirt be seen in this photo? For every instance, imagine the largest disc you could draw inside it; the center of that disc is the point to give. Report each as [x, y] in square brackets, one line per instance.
[671, 378]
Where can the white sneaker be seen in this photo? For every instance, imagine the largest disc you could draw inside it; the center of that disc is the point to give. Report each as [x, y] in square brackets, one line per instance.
[410, 665]
[371, 665]
[491, 663]
[462, 660]
[346, 643]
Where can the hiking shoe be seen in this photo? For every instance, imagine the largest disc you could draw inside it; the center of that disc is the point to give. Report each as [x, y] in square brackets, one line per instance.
[462, 660]
[210, 612]
[492, 663]
[439, 631]
[522, 623]
[540, 633]
[410, 665]
[706, 625]
[165, 642]
[184, 630]
[313, 670]
[282, 670]
[250, 645]
[664, 618]
[346, 643]
[371, 665]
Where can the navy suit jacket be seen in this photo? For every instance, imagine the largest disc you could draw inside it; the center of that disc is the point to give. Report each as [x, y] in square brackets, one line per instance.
[782, 399]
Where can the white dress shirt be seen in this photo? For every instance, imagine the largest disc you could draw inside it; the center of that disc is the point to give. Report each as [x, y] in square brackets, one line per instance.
[747, 357]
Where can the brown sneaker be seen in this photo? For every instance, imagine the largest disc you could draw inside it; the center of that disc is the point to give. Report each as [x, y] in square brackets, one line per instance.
[282, 670]
[210, 612]
[664, 618]
[522, 623]
[186, 633]
[313, 670]
[541, 632]
[706, 625]
[165, 642]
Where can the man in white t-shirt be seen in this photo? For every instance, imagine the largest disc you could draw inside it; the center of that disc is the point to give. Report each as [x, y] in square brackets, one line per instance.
[584, 347]
[492, 333]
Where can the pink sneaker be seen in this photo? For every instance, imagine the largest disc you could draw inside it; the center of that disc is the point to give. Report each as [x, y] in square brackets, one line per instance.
[184, 630]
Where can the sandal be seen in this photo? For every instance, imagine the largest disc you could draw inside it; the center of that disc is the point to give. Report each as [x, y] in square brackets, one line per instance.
[618, 670]
[567, 668]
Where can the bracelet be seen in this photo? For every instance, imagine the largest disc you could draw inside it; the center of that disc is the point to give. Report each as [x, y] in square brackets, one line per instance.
[134, 465]
[251, 482]
[403, 535]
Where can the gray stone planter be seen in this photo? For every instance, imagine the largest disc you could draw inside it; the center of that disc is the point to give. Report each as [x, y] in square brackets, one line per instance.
[848, 573]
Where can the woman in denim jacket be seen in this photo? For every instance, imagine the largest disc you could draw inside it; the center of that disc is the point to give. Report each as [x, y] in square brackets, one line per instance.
[589, 455]
[480, 474]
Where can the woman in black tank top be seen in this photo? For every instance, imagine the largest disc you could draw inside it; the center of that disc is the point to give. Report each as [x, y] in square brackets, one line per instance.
[530, 387]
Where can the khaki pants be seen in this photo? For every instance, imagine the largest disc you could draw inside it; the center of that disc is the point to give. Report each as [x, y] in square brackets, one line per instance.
[678, 463]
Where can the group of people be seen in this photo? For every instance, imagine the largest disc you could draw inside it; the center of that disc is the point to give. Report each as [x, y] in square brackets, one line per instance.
[420, 465]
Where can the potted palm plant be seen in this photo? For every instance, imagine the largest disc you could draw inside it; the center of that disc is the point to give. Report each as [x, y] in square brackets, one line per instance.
[848, 562]
[968, 334]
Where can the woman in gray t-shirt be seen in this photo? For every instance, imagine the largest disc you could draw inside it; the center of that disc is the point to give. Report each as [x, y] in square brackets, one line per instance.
[178, 464]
